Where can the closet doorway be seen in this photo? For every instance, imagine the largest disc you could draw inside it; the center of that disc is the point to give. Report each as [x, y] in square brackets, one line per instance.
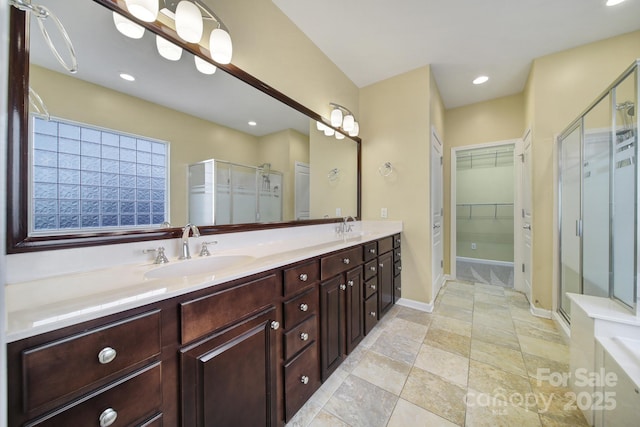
[484, 201]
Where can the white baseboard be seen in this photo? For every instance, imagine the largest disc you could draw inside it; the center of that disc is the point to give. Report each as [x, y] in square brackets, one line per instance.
[417, 305]
[562, 326]
[540, 312]
[485, 261]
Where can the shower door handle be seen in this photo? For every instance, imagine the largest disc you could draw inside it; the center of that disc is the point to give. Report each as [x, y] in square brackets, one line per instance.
[579, 227]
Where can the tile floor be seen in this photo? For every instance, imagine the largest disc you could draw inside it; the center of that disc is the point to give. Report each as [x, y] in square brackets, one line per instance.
[474, 361]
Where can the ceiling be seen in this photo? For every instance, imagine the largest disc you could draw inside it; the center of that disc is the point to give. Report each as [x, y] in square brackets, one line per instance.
[372, 40]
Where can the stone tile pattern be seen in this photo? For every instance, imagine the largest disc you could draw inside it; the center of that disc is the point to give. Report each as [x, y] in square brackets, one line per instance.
[478, 360]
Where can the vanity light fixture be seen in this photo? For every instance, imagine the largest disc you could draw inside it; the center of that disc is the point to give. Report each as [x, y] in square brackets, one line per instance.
[189, 24]
[613, 2]
[342, 117]
[168, 50]
[339, 135]
[203, 66]
[480, 80]
[127, 27]
[144, 10]
[329, 131]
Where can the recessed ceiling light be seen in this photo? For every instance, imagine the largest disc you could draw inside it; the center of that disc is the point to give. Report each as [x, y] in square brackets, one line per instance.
[252, 123]
[480, 79]
[127, 77]
[613, 2]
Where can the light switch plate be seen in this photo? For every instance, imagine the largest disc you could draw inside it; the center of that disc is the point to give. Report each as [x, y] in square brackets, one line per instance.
[383, 213]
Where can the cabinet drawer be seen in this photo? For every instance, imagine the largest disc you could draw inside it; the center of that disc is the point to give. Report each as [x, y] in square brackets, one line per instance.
[133, 400]
[370, 287]
[340, 262]
[212, 312]
[300, 336]
[397, 288]
[397, 269]
[385, 245]
[300, 277]
[396, 254]
[370, 251]
[370, 313]
[301, 380]
[397, 241]
[370, 269]
[57, 369]
[300, 307]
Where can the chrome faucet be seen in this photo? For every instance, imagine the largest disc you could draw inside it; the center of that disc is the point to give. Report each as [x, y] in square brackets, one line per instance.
[185, 239]
[348, 227]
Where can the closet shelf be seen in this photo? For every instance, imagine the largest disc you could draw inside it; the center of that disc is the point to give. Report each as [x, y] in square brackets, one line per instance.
[484, 210]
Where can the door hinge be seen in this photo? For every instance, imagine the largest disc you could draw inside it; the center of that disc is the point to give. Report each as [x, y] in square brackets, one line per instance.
[441, 211]
[441, 263]
[522, 213]
[523, 267]
[521, 158]
[440, 159]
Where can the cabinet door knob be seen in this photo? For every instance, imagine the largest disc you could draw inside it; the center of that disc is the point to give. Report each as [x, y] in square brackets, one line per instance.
[304, 379]
[304, 336]
[381, 265]
[372, 251]
[398, 288]
[346, 260]
[399, 254]
[373, 287]
[304, 307]
[107, 355]
[350, 282]
[108, 417]
[372, 313]
[399, 268]
[304, 277]
[373, 268]
[343, 287]
[275, 325]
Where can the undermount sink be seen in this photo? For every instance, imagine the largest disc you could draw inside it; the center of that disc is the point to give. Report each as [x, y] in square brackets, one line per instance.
[205, 265]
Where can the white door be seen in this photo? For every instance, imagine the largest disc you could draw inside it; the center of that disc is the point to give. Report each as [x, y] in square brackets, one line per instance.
[527, 220]
[437, 262]
[302, 184]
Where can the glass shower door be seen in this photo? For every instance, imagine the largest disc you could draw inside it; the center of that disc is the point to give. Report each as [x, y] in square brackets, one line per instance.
[570, 225]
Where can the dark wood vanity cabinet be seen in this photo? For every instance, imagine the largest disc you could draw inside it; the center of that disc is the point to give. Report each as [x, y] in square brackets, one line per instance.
[249, 352]
[229, 379]
[397, 270]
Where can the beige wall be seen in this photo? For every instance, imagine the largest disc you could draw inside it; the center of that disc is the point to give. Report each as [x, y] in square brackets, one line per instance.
[490, 121]
[395, 117]
[559, 88]
[191, 139]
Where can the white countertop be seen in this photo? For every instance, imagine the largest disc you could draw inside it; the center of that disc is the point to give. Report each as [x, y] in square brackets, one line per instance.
[48, 303]
[626, 353]
[605, 309]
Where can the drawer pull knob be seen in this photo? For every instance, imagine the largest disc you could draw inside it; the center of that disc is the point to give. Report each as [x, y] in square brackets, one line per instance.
[373, 268]
[398, 254]
[275, 325]
[372, 313]
[372, 251]
[350, 282]
[373, 287]
[399, 268]
[304, 379]
[381, 265]
[398, 288]
[107, 355]
[343, 287]
[304, 336]
[304, 307]
[304, 277]
[108, 417]
[346, 260]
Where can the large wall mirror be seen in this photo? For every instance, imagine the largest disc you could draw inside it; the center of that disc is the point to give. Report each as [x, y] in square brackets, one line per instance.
[103, 159]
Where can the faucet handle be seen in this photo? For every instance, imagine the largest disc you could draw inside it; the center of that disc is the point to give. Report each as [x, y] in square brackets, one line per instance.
[204, 250]
[161, 258]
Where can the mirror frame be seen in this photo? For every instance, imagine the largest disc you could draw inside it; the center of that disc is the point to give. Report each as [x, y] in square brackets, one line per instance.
[18, 240]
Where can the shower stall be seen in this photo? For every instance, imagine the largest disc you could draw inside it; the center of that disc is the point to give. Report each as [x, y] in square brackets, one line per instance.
[484, 198]
[221, 192]
[597, 198]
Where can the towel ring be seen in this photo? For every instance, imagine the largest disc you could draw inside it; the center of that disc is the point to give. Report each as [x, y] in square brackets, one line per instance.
[385, 169]
[333, 174]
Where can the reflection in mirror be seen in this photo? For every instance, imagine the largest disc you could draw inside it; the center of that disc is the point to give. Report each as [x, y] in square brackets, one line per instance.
[187, 117]
[625, 190]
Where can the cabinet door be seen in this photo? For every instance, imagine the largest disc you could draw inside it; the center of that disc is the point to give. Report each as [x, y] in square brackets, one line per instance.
[354, 306]
[331, 324]
[385, 283]
[229, 379]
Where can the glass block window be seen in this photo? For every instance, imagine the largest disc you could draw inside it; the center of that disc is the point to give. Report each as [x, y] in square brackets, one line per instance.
[87, 178]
